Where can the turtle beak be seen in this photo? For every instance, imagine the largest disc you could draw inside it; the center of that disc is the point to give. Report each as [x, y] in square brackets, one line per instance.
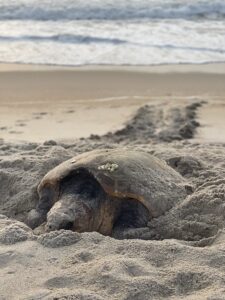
[59, 221]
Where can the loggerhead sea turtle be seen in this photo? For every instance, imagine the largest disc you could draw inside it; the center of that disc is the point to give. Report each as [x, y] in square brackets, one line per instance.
[106, 189]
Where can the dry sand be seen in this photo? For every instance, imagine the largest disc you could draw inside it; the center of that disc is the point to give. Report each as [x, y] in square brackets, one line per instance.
[179, 255]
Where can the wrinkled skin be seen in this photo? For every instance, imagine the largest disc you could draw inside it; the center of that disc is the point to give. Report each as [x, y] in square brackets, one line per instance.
[68, 214]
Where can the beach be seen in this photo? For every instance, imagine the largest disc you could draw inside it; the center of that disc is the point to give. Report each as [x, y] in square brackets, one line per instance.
[76, 102]
[175, 113]
[112, 150]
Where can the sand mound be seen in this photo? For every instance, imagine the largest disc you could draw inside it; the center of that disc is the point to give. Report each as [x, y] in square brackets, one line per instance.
[59, 238]
[179, 255]
[12, 231]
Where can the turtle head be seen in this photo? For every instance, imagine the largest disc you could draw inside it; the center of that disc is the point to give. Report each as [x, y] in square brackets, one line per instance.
[81, 207]
[68, 213]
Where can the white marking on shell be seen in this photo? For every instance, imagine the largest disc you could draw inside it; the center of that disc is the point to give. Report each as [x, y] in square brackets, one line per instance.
[111, 167]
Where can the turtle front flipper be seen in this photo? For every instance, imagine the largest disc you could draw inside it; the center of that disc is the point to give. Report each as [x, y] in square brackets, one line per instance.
[131, 220]
[35, 218]
[38, 215]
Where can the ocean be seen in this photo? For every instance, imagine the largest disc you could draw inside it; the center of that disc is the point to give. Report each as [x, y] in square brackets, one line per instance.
[112, 32]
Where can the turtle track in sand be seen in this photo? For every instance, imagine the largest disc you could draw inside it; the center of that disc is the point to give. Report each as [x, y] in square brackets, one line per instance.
[161, 122]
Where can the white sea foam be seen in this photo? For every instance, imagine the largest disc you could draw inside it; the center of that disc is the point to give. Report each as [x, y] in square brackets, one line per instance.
[143, 32]
[109, 9]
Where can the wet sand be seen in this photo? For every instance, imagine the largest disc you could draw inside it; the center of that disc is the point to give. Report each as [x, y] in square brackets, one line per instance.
[42, 102]
[212, 120]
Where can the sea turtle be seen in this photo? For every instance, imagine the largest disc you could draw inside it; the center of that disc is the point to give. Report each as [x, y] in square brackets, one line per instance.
[106, 189]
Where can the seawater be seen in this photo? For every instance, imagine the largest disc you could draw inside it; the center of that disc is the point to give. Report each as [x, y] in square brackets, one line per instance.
[114, 32]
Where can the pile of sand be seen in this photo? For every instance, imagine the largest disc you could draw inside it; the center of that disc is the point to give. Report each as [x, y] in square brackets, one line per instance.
[180, 255]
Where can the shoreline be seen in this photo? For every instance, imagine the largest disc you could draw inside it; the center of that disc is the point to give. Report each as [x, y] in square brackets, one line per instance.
[163, 68]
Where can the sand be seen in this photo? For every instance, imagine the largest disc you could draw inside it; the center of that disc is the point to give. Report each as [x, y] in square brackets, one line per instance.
[40, 103]
[176, 117]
